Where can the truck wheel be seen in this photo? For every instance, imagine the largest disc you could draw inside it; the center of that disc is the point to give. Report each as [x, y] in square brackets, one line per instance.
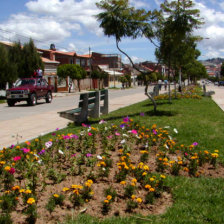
[48, 97]
[11, 103]
[33, 100]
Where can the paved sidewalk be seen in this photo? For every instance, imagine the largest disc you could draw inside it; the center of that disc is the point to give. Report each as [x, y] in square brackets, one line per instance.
[218, 97]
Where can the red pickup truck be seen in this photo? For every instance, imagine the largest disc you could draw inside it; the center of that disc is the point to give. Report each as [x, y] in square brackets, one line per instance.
[30, 90]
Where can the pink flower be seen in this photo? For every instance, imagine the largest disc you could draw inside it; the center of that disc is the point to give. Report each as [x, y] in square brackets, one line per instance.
[17, 158]
[195, 144]
[134, 132]
[88, 155]
[84, 125]
[185, 154]
[142, 114]
[12, 170]
[110, 137]
[73, 155]
[90, 134]
[126, 119]
[27, 142]
[154, 132]
[25, 150]
[117, 134]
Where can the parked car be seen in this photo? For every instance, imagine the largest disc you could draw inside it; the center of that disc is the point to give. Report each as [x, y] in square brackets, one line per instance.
[30, 90]
[221, 83]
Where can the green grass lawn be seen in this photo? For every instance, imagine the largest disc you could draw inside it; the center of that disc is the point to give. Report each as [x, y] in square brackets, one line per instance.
[195, 200]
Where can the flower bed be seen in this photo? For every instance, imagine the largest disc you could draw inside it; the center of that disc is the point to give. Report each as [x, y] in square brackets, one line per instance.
[103, 171]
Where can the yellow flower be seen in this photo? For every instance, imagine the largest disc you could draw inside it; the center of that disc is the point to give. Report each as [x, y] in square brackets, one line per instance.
[88, 183]
[28, 191]
[109, 197]
[56, 195]
[2, 162]
[7, 168]
[106, 201]
[134, 180]
[133, 197]
[147, 186]
[36, 140]
[151, 189]
[144, 174]
[145, 167]
[151, 179]
[65, 189]
[76, 191]
[216, 151]
[162, 176]
[17, 147]
[30, 201]
[139, 200]
[15, 188]
[123, 182]
[215, 155]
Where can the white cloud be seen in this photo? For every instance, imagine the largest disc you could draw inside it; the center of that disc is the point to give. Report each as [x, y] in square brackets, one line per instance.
[139, 4]
[212, 30]
[134, 59]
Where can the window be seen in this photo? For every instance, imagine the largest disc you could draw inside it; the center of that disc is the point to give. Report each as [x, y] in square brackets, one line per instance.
[77, 61]
[83, 62]
[71, 61]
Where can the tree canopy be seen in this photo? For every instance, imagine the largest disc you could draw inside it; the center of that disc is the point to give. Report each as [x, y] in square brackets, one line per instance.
[75, 72]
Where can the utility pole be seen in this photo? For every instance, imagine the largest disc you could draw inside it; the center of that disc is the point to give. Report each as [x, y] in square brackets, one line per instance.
[90, 68]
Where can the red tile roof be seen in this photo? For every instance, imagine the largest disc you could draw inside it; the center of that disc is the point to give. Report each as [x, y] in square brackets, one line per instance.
[85, 56]
[47, 60]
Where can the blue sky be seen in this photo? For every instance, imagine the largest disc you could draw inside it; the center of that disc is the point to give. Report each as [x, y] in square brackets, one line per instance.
[71, 26]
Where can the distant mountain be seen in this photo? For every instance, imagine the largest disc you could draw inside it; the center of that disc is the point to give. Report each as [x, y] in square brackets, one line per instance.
[215, 60]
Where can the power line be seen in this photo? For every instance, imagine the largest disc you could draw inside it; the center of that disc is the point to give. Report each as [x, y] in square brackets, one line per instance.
[25, 38]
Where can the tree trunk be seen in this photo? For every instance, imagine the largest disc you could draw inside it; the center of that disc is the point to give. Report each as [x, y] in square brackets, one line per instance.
[150, 97]
[146, 86]
[79, 85]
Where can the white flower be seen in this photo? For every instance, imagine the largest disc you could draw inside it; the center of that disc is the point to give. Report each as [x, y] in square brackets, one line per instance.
[125, 135]
[166, 146]
[39, 161]
[167, 127]
[123, 141]
[89, 129]
[102, 122]
[137, 137]
[103, 169]
[170, 137]
[106, 128]
[146, 145]
[36, 155]
[175, 130]
[48, 144]
[82, 133]
[62, 153]
[99, 157]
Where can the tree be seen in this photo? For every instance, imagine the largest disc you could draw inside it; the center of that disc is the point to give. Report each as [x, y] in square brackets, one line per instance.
[175, 25]
[123, 80]
[195, 70]
[75, 72]
[4, 65]
[30, 60]
[120, 20]
[222, 70]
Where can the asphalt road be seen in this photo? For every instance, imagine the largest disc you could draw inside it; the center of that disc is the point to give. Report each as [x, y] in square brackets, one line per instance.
[59, 103]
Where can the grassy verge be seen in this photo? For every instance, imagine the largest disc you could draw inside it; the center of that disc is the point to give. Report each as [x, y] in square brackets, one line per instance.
[196, 200]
